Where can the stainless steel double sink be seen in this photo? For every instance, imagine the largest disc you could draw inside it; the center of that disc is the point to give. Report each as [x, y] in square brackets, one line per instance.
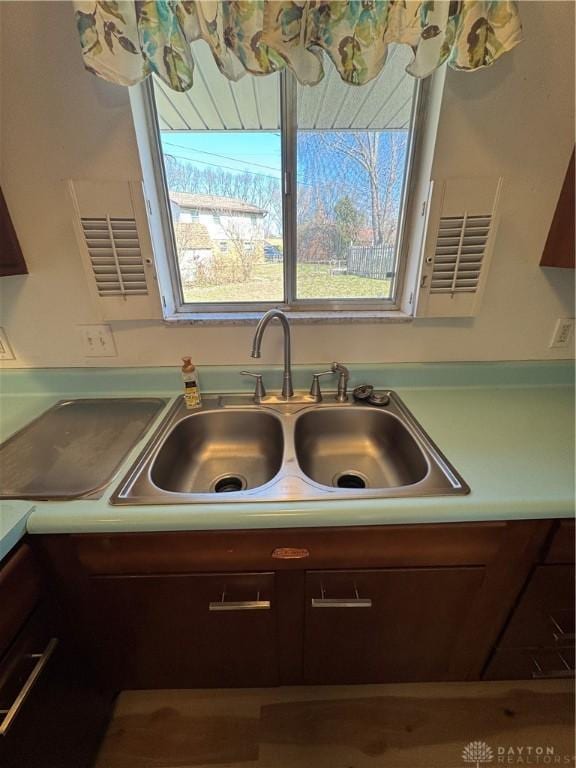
[233, 450]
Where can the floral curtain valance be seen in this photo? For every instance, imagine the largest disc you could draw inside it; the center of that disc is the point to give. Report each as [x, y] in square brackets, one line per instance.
[126, 41]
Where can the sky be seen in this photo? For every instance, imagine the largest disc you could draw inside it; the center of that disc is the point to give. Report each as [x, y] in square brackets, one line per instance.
[257, 152]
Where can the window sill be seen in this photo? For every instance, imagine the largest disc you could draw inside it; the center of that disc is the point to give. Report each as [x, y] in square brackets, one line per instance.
[295, 317]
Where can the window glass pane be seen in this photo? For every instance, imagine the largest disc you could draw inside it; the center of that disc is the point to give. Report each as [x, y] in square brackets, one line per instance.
[352, 144]
[221, 146]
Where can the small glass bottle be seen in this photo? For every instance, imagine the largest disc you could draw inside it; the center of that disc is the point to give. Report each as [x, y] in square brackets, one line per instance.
[192, 396]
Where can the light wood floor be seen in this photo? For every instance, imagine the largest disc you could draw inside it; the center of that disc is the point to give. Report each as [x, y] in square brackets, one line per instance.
[371, 726]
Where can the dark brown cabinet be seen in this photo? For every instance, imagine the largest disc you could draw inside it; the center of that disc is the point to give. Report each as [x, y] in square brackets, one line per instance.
[21, 588]
[545, 614]
[394, 625]
[559, 248]
[538, 639]
[62, 720]
[268, 607]
[11, 258]
[184, 631]
[263, 608]
[52, 711]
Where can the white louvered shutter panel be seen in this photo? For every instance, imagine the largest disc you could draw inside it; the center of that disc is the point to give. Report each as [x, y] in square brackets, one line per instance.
[115, 256]
[113, 234]
[458, 247]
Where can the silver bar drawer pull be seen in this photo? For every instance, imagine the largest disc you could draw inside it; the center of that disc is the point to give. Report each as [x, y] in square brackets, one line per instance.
[554, 674]
[42, 660]
[558, 631]
[239, 605]
[341, 602]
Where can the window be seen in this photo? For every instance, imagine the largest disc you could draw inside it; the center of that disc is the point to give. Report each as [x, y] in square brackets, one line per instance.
[295, 195]
[184, 215]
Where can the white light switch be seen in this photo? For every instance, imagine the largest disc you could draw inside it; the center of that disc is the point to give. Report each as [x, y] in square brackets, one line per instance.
[97, 340]
[6, 352]
[563, 332]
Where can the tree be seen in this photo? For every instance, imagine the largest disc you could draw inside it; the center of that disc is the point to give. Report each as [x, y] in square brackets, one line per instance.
[349, 221]
[246, 246]
[392, 186]
[362, 147]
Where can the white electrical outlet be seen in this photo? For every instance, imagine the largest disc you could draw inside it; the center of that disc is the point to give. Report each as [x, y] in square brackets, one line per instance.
[6, 352]
[97, 340]
[562, 332]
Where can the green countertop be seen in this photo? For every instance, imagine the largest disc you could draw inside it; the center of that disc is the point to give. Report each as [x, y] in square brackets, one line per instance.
[508, 428]
[13, 520]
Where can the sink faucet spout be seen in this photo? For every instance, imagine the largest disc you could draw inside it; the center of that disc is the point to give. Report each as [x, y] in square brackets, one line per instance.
[287, 388]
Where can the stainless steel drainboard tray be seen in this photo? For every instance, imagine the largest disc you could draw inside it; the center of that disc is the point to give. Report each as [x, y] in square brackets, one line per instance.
[73, 449]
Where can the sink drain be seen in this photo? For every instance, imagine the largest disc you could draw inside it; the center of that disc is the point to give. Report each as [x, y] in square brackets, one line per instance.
[350, 480]
[229, 484]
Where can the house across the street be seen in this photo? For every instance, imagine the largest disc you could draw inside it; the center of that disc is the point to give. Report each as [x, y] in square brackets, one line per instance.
[225, 218]
[211, 226]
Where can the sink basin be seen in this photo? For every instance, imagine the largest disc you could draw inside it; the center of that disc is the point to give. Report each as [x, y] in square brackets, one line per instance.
[357, 448]
[232, 450]
[219, 452]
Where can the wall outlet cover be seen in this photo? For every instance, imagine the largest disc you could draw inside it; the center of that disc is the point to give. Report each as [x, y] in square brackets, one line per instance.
[563, 332]
[6, 351]
[97, 340]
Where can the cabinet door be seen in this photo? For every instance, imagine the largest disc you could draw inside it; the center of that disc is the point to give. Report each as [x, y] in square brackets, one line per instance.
[11, 259]
[205, 630]
[385, 626]
[545, 614]
[538, 641]
[559, 248]
[20, 590]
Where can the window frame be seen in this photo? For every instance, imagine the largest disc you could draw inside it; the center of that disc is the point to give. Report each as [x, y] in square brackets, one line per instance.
[291, 304]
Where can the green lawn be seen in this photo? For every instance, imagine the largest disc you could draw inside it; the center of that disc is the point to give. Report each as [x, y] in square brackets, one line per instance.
[315, 281]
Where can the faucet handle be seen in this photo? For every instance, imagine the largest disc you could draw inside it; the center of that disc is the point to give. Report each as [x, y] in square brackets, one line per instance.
[260, 391]
[315, 388]
[341, 369]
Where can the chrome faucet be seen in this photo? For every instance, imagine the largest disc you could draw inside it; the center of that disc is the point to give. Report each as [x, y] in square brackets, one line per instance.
[287, 388]
[315, 395]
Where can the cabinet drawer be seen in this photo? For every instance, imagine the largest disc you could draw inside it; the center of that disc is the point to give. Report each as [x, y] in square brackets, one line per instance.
[20, 590]
[23, 666]
[544, 616]
[206, 630]
[57, 715]
[385, 626]
[190, 552]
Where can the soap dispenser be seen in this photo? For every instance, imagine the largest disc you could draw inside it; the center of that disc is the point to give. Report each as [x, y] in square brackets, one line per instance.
[192, 396]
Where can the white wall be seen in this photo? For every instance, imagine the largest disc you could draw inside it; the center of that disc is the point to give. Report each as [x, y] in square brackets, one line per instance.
[515, 119]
